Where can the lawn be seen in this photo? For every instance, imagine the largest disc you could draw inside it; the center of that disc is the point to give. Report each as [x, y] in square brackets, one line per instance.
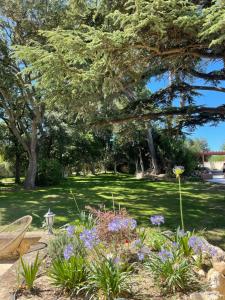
[204, 203]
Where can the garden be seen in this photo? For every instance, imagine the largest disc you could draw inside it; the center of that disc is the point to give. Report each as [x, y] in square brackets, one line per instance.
[104, 254]
[108, 189]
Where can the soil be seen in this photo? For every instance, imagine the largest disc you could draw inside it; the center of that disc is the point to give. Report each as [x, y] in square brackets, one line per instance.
[142, 289]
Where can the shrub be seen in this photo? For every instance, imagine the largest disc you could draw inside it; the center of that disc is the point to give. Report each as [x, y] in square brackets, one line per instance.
[172, 272]
[108, 278]
[114, 227]
[85, 219]
[49, 172]
[29, 271]
[56, 246]
[155, 239]
[70, 275]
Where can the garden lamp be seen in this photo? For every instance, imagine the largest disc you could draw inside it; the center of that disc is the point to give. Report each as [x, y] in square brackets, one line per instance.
[49, 220]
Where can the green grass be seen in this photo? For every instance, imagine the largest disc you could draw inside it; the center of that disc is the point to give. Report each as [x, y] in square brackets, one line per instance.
[203, 203]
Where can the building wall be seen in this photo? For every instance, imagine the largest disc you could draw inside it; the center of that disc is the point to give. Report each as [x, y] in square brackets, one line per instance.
[214, 165]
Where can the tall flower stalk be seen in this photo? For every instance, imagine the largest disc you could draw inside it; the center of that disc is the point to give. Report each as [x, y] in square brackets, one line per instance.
[178, 170]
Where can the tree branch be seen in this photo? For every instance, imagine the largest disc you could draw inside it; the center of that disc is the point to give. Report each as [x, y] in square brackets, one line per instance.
[174, 111]
[208, 88]
[216, 75]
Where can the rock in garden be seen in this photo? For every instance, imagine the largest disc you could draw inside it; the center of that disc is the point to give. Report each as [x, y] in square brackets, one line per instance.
[206, 296]
[216, 281]
[219, 266]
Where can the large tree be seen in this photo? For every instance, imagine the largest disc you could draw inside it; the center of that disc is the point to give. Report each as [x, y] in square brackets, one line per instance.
[104, 49]
[21, 104]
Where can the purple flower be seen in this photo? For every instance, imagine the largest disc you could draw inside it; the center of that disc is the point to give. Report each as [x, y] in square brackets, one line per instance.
[115, 225]
[132, 224]
[136, 243]
[197, 244]
[157, 220]
[118, 224]
[70, 230]
[141, 256]
[116, 260]
[89, 238]
[181, 232]
[175, 245]
[212, 251]
[165, 255]
[68, 252]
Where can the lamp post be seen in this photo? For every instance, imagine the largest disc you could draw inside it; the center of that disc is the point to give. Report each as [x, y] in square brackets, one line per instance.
[49, 220]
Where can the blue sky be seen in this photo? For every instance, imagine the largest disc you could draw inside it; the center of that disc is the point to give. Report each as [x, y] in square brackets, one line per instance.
[214, 134]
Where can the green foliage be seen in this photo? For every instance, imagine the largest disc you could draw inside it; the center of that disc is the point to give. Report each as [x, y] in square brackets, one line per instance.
[182, 239]
[85, 219]
[108, 278]
[215, 158]
[173, 274]
[156, 240]
[57, 245]
[29, 271]
[70, 275]
[172, 150]
[49, 172]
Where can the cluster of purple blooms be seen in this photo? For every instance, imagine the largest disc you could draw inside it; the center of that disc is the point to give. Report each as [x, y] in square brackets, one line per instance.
[68, 252]
[165, 255]
[199, 245]
[70, 230]
[90, 238]
[142, 250]
[119, 223]
[157, 220]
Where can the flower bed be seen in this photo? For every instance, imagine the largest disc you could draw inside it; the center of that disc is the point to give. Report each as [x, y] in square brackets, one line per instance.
[107, 256]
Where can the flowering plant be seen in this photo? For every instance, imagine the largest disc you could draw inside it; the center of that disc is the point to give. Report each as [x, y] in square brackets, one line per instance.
[108, 277]
[179, 170]
[114, 227]
[157, 220]
[172, 272]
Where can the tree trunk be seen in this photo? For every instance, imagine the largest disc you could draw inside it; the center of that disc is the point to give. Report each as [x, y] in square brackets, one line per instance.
[92, 167]
[32, 156]
[152, 150]
[115, 167]
[136, 166]
[141, 161]
[31, 172]
[17, 168]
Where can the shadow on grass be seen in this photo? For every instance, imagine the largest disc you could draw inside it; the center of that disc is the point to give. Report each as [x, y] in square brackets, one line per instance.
[203, 203]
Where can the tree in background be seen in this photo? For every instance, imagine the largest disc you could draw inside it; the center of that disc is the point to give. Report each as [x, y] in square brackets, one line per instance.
[21, 105]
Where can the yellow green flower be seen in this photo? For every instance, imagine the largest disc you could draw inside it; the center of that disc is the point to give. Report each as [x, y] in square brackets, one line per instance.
[178, 170]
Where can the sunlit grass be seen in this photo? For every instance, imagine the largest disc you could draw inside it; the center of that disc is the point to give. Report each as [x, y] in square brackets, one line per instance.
[204, 204]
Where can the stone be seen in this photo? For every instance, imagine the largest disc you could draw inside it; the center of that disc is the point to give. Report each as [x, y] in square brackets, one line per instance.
[206, 296]
[219, 266]
[216, 282]
[201, 273]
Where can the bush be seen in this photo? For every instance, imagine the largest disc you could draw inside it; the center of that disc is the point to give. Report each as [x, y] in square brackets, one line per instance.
[6, 169]
[172, 272]
[70, 275]
[56, 246]
[85, 219]
[108, 278]
[29, 271]
[49, 172]
[155, 239]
